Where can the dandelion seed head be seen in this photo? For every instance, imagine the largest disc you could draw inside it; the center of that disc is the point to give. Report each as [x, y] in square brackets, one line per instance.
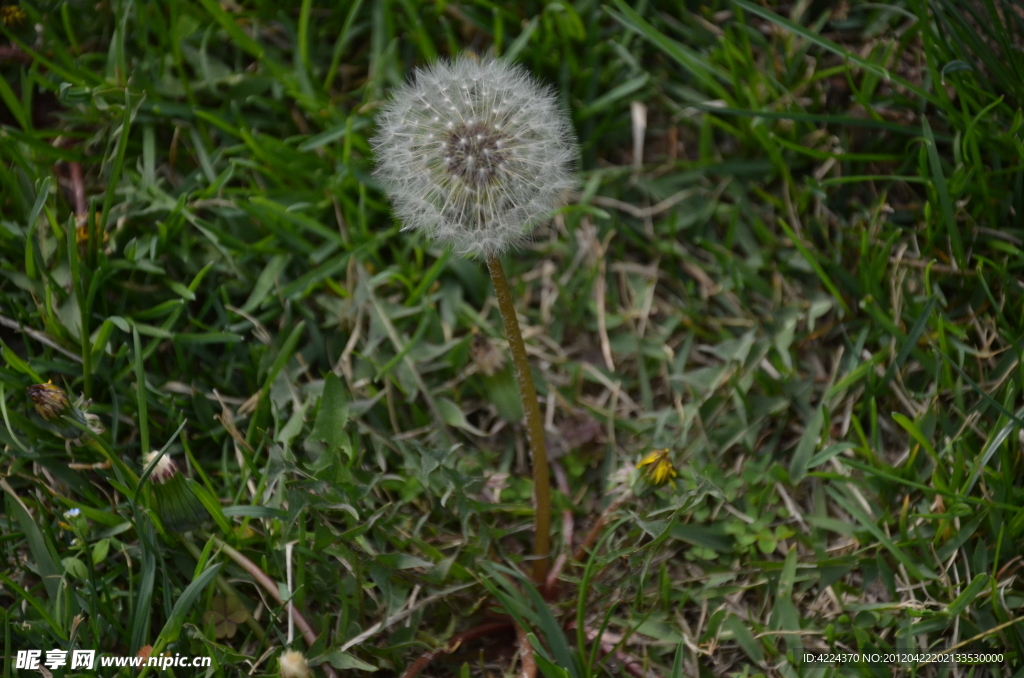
[475, 153]
[293, 664]
[165, 467]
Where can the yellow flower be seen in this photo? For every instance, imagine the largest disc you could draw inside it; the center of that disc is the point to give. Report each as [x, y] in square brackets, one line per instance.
[657, 468]
[12, 16]
[83, 233]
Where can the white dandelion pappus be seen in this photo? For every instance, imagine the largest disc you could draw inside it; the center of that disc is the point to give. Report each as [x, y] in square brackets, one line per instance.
[474, 152]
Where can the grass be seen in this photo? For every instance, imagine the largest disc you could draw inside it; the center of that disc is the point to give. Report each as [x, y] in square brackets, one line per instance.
[805, 285]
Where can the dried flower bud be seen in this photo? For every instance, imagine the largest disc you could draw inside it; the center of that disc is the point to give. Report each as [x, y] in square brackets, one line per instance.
[293, 664]
[475, 152]
[51, 401]
[52, 404]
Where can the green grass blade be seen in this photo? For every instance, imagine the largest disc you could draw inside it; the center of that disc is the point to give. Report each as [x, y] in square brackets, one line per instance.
[945, 201]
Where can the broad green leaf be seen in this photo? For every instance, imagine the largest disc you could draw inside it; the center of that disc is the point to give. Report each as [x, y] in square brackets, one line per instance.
[329, 426]
[76, 568]
[100, 550]
[453, 416]
[343, 661]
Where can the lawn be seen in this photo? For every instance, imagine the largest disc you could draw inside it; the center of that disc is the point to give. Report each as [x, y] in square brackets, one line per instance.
[776, 334]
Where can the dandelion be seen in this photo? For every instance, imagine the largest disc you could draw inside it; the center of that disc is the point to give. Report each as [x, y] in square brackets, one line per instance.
[475, 152]
[83, 232]
[51, 401]
[13, 16]
[173, 500]
[657, 468]
[52, 404]
[293, 664]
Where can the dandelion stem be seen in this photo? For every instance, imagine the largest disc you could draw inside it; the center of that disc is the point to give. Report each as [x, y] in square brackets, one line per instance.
[534, 423]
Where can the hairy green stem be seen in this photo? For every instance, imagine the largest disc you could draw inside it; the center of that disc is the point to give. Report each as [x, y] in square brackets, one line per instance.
[534, 422]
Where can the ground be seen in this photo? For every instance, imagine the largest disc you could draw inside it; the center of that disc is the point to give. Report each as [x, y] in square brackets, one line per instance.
[792, 262]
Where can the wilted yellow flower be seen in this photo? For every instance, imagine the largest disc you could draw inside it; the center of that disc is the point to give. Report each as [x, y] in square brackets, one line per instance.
[12, 16]
[657, 468]
[50, 401]
[52, 404]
